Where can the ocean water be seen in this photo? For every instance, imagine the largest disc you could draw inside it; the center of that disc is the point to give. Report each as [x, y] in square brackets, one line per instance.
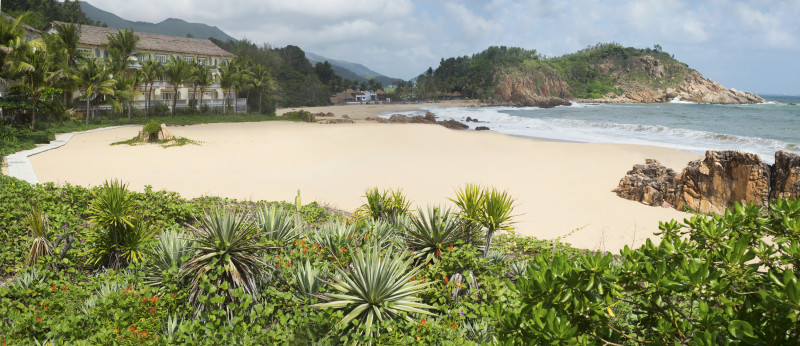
[762, 129]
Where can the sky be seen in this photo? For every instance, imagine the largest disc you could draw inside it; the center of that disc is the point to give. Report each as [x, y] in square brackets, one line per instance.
[746, 45]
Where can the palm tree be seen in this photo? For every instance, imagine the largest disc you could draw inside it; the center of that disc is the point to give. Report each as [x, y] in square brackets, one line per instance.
[38, 74]
[94, 77]
[226, 81]
[177, 71]
[242, 78]
[67, 37]
[262, 81]
[203, 78]
[149, 73]
[125, 89]
[12, 39]
[121, 46]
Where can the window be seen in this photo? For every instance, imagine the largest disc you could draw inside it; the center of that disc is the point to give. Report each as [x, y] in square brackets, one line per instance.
[97, 52]
[161, 58]
[201, 60]
[166, 96]
[224, 62]
[188, 58]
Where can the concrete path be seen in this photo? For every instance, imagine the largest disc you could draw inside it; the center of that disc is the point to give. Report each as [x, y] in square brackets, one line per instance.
[20, 167]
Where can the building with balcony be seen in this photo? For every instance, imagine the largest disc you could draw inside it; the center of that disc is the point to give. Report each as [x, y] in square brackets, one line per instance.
[94, 42]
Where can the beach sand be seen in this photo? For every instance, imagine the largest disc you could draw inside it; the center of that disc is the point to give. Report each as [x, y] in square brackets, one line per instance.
[558, 186]
[363, 111]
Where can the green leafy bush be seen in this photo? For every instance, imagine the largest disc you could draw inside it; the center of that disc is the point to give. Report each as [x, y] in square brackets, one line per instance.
[152, 128]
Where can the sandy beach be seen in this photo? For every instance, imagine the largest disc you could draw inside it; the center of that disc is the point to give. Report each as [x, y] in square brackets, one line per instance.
[361, 112]
[558, 186]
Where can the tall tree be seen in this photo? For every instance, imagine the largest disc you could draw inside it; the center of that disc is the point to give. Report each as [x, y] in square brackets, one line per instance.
[227, 79]
[122, 45]
[149, 74]
[95, 78]
[12, 40]
[263, 82]
[203, 78]
[38, 74]
[177, 71]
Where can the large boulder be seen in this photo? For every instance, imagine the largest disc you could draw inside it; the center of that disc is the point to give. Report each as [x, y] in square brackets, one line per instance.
[719, 180]
[649, 183]
[785, 176]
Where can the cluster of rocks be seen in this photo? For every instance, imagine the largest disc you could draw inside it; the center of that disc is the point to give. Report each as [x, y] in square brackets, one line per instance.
[343, 120]
[714, 183]
[428, 118]
[324, 115]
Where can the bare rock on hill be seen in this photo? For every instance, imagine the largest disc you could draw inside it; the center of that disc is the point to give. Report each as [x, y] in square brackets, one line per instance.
[649, 183]
[785, 176]
[345, 116]
[713, 184]
[696, 88]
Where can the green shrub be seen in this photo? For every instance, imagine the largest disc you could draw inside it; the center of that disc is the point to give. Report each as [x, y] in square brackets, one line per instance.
[152, 128]
[428, 235]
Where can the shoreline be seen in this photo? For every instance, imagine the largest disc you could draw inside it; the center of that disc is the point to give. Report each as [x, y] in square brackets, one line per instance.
[559, 186]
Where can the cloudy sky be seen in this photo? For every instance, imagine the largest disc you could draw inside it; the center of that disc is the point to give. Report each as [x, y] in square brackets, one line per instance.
[747, 45]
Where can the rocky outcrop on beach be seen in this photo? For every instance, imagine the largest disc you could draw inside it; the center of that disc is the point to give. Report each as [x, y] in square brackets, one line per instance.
[714, 183]
[428, 118]
[696, 88]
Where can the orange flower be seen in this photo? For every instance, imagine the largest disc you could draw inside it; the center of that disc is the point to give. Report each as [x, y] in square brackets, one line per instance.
[450, 247]
[154, 299]
[438, 252]
[412, 279]
[39, 319]
[453, 325]
[116, 330]
[144, 299]
[344, 250]
[133, 327]
[144, 333]
[52, 287]
[459, 284]
[446, 280]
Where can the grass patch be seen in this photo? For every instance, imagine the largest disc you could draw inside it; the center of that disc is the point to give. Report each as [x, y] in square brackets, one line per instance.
[165, 143]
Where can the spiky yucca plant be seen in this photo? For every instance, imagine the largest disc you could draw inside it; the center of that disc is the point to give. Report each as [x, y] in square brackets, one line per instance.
[37, 224]
[470, 201]
[167, 254]
[117, 237]
[428, 235]
[385, 205]
[336, 238]
[229, 241]
[376, 288]
[496, 215]
[277, 224]
[307, 279]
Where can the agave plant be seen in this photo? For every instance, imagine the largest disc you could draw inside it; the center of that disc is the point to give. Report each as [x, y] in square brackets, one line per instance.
[167, 254]
[37, 224]
[307, 279]
[336, 238]
[229, 241]
[377, 288]
[496, 257]
[517, 269]
[28, 279]
[381, 232]
[278, 225]
[428, 235]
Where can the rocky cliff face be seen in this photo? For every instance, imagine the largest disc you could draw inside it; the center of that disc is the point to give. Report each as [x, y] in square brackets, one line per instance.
[542, 88]
[714, 183]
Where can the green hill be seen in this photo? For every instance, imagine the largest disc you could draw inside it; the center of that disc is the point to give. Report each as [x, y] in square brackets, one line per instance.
[352, 71]
[605, 72]
[170, 26]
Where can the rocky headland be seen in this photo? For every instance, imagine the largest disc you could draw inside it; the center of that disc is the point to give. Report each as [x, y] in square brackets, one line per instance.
[714, 183]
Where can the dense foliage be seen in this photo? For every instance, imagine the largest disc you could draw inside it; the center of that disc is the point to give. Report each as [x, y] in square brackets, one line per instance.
[342, 278]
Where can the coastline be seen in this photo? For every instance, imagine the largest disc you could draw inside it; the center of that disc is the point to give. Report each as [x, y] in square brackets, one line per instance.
[559, 186]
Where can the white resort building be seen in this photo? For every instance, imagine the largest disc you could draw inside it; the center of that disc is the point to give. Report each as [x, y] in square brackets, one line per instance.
[94, 41]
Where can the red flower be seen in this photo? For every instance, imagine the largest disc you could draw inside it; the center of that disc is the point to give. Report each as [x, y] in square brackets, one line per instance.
[144, 333]
[133, 327]
[412, 279]
[154, 299]
[65, 287]
[39, 319]
[144, 299]
[438, 252]
[343, 249]
[421, 323]
[116, 330]
[450, 247]
[130, 287]
[453, 325]
[52, 287]
[446, 280]
[153, 310]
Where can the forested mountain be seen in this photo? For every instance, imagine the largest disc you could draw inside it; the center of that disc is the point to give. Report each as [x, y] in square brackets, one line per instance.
[606, 72]
[352, 71]
[45, 11]
[170, 26]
